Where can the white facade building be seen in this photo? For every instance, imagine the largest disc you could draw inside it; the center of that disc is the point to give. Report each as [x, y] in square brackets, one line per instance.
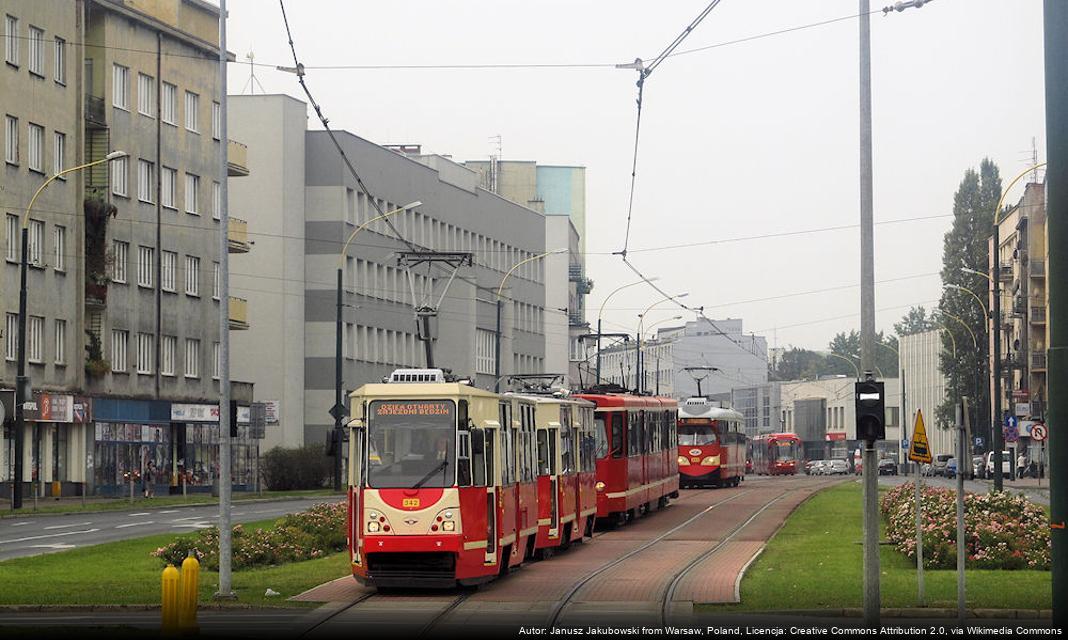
[925, 387]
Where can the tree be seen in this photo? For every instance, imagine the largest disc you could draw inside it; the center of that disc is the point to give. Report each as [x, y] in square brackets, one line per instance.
[796, 364]
[915, 321]
[847, 345]
[966, 244]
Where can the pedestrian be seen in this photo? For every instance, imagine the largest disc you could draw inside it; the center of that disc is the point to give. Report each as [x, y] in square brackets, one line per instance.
[147, 479]
[1021, 465]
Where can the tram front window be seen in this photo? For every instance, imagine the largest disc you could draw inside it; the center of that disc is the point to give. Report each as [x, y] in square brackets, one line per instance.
[692, 436]
[413, 443]
[785, 451]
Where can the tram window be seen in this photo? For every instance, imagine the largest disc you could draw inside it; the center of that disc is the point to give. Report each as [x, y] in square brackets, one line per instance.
[478, 458]
[463, 459]
[566, 454]
[691, 435]
[543, 452]
[526, 441]
[508, 463]
[601, 438]
[633, 439]
[491, 475]
[617, 435]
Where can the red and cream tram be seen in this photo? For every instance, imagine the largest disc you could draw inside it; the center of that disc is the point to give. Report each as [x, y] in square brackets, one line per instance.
[450, 484]
[712, 445]
[776, 454]
[636, 461]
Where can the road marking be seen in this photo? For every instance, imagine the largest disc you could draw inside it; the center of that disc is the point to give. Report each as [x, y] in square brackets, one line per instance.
[238, 513]
[20, 524]
[134, 524]
[50, 535]
[68, 526]
[170, 511]
[264, 511]
[195, 525]
[56, 546]
[134, 515]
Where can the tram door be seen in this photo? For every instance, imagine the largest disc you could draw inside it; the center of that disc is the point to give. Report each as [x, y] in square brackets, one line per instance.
[492, 513]
[554, 482]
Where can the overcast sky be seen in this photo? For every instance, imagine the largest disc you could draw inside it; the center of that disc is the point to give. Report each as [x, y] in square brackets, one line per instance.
[738, 141]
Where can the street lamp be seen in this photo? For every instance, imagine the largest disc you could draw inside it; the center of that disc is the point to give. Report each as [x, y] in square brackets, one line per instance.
[601, 313]
[950, 285]
[642, 356]
[338, 411]
[639, 374]
[23, 392]
[497, 343]
[855, 367]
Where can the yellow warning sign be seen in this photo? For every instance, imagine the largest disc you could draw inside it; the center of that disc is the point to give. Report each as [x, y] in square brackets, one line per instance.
[919, 449]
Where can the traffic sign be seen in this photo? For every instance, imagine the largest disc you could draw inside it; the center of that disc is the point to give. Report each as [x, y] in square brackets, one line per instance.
[905, 443]
[979, 441]
[1011, 421]
[337, 412]
[920, 449]
[1038, 432]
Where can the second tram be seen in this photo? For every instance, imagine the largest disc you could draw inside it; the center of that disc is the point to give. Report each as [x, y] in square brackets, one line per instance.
[712, 445]
[776, 454]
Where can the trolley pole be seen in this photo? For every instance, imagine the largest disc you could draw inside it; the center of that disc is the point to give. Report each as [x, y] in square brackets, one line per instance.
[1056, 46]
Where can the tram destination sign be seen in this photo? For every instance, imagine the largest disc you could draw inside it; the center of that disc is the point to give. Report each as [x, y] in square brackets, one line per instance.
[412, 408]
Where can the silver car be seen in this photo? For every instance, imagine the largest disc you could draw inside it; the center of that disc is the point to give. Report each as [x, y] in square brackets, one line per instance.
[836, 468]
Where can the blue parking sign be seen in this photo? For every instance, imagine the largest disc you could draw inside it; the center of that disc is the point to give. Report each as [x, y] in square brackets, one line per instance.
[978, 441]
[905, 443]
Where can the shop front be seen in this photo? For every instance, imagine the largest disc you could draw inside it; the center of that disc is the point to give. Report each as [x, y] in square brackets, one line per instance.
[196, 428]
[132, 445]
[57, 425]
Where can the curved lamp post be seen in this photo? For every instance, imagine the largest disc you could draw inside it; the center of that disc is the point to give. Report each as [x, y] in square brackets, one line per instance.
[497, 341]
[338, 412]
[639, 374]
[23, 391]
[642, 356]
[600, 313]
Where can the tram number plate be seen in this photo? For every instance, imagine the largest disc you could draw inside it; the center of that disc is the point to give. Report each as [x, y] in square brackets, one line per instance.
[410, 502]
[695, 459]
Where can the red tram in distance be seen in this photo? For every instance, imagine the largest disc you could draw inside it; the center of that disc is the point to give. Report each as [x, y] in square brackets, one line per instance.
[776, 454]
[636, 462]
[712, 445]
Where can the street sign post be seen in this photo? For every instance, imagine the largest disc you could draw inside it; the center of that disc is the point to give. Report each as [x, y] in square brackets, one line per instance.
[919, 452]
[920, 448]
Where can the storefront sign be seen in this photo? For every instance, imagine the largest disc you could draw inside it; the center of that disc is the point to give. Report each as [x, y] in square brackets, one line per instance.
[1021, 394]
[837, 435]
[50, 407]
[195, 412]
[1023, 408]
[272, 408]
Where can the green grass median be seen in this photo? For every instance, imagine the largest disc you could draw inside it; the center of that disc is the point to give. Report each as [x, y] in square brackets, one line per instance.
[126, 573]
[93, 505]
[815, 562]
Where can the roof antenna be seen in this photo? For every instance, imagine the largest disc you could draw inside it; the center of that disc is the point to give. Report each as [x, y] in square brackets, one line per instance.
[253, 81]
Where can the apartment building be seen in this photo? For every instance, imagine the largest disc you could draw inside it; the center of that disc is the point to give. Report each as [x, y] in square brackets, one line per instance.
[122, 327]
[304, 205]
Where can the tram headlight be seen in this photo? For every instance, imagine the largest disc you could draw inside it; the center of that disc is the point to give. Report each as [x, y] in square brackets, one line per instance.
[448, 515]
[683, 460]
[448, 525]
[373, 526]
[372, 515]
[599, 486]
[710, 461]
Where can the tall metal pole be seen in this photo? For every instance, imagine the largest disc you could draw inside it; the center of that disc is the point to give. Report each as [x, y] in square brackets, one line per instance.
[997, 437]
[225, 481]
[962, 435]
[497, 350]
[867, 320]
[1056, 45]
[638, 377]
[22, 383]
[338, 404]
[598, 351]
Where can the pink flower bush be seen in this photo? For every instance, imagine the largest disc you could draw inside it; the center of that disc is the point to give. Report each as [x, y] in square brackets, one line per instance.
[295, 537]
[1002, 530]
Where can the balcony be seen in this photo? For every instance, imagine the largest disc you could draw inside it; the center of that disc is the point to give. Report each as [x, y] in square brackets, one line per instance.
[1010, 362]
[1038, 314]
[237, 236]
[574, 272]
[95, 112]
[236, 159]
[575, 319]
[1005, 273]
[584, 286]
[1038, 360]
[1037, 268]
[1019, 306]
[238, 314]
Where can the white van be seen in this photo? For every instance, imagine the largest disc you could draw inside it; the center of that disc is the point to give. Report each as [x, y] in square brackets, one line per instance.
[1006, 463]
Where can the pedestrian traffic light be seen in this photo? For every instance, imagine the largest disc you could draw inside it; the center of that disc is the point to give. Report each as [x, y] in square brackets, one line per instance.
[331, 443]
[871, 411]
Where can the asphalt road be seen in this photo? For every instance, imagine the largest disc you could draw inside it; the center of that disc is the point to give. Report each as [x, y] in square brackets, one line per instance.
[33, 535]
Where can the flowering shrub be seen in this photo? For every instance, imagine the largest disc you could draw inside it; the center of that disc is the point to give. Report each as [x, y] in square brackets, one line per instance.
[1002, 530]
[298, 536]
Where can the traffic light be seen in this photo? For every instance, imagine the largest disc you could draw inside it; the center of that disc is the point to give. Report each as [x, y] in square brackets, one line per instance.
[871, 411]
[331, 443]
[233, 418]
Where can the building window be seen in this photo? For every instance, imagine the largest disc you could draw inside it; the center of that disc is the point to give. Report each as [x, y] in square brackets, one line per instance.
[146, 95]
[168, 194]
[61, 342]
[192, 358]
[11, 139]
[59, 248]
[167, 345]
[168, 110]
[36, 60]
[11, 40]
[216, 200]
[146, 180]
[12, 238]
[216, 281]
[192, 276]
[144, 353]
[145, 266]
[216, 360]
[119, 340]
[119, 250]
[61, 61]
[485, 351]
[192, 194]
[120, 87]
[216, 120]
[192, 107]
[34, 336]
[35, 243]
[36, 148]
[119, 177]
[59, 153]
[168, 266]
[12, 333]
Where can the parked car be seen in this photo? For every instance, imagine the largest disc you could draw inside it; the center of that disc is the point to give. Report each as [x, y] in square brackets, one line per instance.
[938, 465]
[836, 468]
[888, 467]
[1006, 464]
[808, 466]
[979, 466]
[951, 468]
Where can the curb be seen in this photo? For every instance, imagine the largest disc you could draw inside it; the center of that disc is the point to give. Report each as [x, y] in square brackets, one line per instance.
[914, 612]
[140, 505]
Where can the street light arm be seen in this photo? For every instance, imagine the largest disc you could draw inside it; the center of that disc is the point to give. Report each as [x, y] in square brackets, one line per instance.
[114, 155]
[600, 312]
[982, 306]
[523, 262]
[345, 249]
[855, 367]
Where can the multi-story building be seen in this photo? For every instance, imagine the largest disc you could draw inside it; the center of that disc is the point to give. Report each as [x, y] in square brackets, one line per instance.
[559, 192]
[122, 327]
[925, 387]
[761, 405]
[1021, 258]
[740, 359]
[305, 202]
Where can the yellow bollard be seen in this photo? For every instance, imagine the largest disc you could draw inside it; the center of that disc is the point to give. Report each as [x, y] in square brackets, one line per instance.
[187, 608]
[169, 609]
